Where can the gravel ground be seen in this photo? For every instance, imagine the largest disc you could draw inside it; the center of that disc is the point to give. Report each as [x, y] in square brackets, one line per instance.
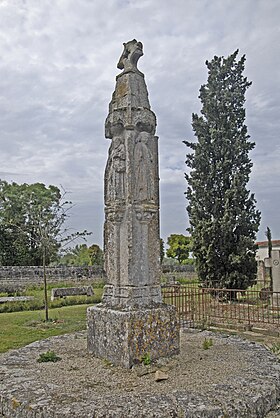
[233, 378]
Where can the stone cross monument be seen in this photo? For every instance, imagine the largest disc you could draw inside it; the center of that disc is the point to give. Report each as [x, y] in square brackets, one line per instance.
[132, 321]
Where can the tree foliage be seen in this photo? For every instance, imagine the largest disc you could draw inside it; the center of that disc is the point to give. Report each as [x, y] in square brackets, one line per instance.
[23, 208]
[82, 255]
[222, 213]
[32, 220]
[269, 245]
[269, 241]
[179, 248]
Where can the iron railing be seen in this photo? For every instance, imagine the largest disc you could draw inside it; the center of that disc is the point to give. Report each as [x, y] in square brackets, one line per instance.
[198, 306]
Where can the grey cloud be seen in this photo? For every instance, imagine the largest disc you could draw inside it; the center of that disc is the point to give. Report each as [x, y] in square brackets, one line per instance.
[57, 75]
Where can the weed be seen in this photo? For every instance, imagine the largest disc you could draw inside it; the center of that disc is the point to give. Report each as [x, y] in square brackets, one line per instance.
[146, 359]
[107, 363]
[275, 348]
[15, 403]
[98, 284]
[48, 356]
[207, 343]
[181, 413]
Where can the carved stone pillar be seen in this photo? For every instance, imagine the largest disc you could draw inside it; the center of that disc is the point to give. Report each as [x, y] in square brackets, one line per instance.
[131, 229]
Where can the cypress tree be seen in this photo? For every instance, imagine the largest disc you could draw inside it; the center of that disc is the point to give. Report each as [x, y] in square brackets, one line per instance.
[269, 242]
[222, 212]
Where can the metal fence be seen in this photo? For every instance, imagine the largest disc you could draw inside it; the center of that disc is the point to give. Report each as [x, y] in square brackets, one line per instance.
[198, 306]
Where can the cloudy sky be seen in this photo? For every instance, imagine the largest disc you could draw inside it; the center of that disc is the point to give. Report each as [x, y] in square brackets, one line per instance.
[57, 74]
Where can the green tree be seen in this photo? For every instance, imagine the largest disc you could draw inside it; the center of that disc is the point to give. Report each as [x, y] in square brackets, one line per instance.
[77, 256]
[50, 233]
[222, 213]
[22, 207]
[32, 217]
[81, 255]
[179, 248]
[96, 255]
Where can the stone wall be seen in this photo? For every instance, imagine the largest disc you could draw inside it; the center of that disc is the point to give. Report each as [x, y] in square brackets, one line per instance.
[17, 277]
[171, 274]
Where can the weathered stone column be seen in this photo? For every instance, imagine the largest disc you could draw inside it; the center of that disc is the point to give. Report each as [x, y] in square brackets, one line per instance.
[132, 321]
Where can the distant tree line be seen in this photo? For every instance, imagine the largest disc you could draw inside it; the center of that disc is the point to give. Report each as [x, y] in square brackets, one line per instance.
[82, 255]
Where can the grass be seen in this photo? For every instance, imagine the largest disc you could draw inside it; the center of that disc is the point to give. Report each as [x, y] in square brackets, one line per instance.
[18, 329]
[38, 302]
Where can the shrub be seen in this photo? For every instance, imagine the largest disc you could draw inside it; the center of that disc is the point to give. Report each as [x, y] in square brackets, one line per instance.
[207, 343]
[48, 356]
[146, 359]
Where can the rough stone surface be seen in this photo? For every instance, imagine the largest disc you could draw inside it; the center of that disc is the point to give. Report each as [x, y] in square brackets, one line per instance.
[233, 378]
[71, 291]
[131, 191]
[125, 336]
[13, 278]
[132, 320]
[160, 375]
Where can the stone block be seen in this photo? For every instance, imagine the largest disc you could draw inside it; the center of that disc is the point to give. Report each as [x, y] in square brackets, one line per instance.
[124, 336]
[61, 292]
[131, 296]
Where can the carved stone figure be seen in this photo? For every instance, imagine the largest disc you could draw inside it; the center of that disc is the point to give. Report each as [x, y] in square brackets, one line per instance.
[144, 169]
[115, 171]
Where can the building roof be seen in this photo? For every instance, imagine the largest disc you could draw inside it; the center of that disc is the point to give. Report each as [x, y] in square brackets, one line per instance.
[274, 242]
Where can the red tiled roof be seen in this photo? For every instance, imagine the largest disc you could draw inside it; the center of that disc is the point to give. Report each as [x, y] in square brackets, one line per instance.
[275, 243]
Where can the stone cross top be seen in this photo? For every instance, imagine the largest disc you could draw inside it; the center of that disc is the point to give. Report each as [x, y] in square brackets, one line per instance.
[131, 231]
[132, 321]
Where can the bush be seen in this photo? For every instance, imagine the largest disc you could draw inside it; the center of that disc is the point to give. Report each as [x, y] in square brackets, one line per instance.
[38, 302]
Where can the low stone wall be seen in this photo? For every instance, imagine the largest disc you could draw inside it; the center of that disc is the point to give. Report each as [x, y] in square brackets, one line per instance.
[18, 277]
[171, 274]
[185, 268]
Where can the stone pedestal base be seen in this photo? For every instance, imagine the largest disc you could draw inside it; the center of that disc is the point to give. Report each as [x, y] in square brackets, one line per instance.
[124, 336]
[131, 296]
